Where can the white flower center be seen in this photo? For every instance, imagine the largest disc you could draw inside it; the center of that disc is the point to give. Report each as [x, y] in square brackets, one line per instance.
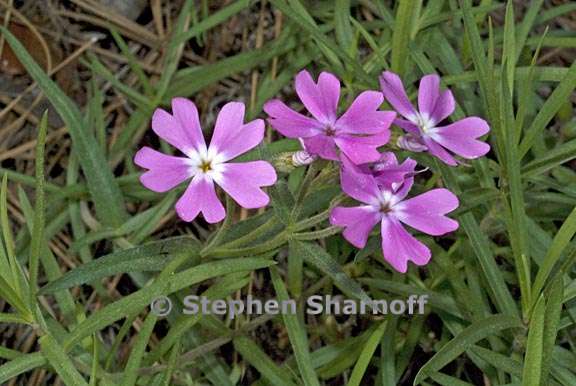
[384, 202]
[206, 162]
[329, 130]
[425, 123]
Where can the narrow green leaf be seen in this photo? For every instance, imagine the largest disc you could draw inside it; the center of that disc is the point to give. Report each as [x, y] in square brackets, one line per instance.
[296, 333]
[509, 52]
[174, 50]
[172, 364]
[319, 258]
[366, 355]
[388, 374]
[559, 243]
[533, 11]
[532, 372]
[12, 270]
[214, 20]
[342, 25]
[254, 355]
[516, 221]
[189, 81]
[149, 257]
[61, 363]
[477, 331]
[554, 102]
[138, 350]
[554, 300]
[301, 17]
[38, 230]
[95, 361]
[499, 361]
[550, 160]
[132, 62]
[21, 365]
[163, 286]
[447, 380]
[482, 250]
[401, 36]
[134, 96]
[103, 187]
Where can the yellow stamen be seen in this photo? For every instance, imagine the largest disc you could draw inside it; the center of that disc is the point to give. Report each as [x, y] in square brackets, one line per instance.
[205, 166]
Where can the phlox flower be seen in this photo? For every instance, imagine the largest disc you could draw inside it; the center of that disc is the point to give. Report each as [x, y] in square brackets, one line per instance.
[357, 133]
[434, 106]
[388, 173]
[389, 207]
[205, 166]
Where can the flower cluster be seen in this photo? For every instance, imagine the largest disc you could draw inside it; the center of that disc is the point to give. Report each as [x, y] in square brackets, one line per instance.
[378, 181]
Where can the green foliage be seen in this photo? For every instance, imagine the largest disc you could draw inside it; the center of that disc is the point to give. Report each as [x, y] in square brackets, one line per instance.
[501, 289]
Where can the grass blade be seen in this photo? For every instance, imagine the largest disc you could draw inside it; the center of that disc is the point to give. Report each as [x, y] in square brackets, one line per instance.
[21, 365]
[559, 243]
[467, 338]
[38, 230]
[138, 350]
[296, 333]
[403, 26]
[149, 257]
[103, 187]
[532, 371]
[254, 355]
[366, 355]
[137, 301]
[319, 258]
[61, 363]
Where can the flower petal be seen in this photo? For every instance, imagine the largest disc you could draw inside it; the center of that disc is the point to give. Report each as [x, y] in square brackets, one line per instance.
[231, 136]
[322, 146]
[357, 221]
[460, 137]
[401, 191]
[408, 126]
[320, 99]
[186, 113]
[363, 116]
[428, 94]
[181, 130]
[426, 211]
[242, 181]
[394, 92]
[200, 196]
[358, 185]
[289, 122]
[389, 174]
[363, 149]
[445, 105]
[399, 246]
[165, 171]
[411, 142]
[438, 151]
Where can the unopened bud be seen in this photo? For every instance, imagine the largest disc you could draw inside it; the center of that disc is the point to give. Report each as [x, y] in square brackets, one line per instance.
[288, 161]
[411, 143]
[303, 158]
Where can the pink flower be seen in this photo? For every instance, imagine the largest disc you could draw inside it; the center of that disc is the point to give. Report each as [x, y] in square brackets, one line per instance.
[203, 165]
[433, 107]
[388, 173]
[388, 207]
[357, 133]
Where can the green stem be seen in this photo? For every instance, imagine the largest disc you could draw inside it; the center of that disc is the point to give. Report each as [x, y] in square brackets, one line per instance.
[273, 243]
[259, 231]
[221, 231]
[304, 187]
[315, 235]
